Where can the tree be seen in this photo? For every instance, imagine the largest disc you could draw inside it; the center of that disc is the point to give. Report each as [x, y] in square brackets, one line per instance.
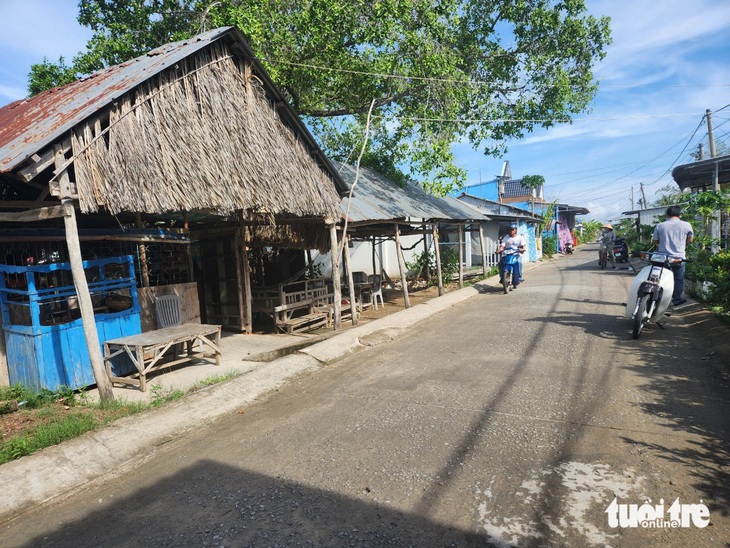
[47, 75]
[670, 195]
[440, 71]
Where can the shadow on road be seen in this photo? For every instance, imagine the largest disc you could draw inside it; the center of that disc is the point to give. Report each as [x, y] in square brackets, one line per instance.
[210, 504]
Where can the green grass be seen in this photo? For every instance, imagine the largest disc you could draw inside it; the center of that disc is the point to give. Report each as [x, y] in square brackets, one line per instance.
[48, 418]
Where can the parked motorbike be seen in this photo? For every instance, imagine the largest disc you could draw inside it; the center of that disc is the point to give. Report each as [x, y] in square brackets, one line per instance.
[510, 258]
[568, 249]
[650, 292]
[620, 251]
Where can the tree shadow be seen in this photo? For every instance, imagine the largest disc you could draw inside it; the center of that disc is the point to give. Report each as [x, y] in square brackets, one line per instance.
[211, 504]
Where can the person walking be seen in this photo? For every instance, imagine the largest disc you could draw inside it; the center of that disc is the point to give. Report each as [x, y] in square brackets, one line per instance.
[672, 237]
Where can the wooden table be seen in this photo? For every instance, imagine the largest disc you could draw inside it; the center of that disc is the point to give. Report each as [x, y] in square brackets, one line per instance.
[147, 350]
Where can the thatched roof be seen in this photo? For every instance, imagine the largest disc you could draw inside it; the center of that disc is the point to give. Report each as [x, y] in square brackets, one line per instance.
[192, 126]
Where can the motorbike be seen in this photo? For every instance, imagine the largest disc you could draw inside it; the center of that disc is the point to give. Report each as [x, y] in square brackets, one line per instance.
[568, 249]
[510, 258]
[650, 292]
[620, 251]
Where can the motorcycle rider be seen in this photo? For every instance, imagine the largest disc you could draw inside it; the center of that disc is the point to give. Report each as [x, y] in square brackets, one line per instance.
[514, 242]
[672, 237]
[606, 240]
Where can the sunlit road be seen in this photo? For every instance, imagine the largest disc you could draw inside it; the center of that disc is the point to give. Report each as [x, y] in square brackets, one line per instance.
[508, 419]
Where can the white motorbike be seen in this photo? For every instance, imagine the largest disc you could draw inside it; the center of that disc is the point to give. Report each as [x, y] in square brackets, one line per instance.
[651, 292]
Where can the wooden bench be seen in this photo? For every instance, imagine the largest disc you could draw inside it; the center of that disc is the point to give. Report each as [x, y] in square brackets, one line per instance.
[149, 351]
[301, 313]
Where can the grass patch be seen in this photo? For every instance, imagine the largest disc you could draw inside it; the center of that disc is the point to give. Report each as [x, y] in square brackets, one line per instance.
[47, 418]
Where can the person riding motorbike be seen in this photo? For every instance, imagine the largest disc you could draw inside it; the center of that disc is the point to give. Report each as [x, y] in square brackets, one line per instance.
[606, 241]
[514, 242]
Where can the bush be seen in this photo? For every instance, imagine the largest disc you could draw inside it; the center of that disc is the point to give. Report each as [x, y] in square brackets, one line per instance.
[548, 245]
[714, 269]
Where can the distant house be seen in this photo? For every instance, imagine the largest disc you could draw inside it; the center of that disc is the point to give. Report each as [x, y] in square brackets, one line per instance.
[701, 175]
[501, 216]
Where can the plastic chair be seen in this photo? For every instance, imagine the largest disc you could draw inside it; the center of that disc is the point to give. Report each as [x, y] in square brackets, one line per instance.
[376, 291]
[167, 310]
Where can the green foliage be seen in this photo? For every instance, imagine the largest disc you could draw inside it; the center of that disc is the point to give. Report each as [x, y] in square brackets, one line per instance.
[47, 75]
[548, 245]
[590, 230]
[714, 269]
[533, 181]
[449, 263]
[420, 262]
[433, 68]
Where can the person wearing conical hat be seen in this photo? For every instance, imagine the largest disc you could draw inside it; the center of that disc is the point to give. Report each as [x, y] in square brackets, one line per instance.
[606, 241]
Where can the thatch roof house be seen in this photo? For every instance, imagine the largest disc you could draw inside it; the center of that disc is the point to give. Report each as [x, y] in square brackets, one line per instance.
[195, 125]
[193, 135]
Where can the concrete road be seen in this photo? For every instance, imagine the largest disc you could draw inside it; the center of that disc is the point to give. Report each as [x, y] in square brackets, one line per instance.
[508, 420]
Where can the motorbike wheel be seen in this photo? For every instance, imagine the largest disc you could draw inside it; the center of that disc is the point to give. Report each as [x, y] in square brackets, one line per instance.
[640, 319]
[507, 281]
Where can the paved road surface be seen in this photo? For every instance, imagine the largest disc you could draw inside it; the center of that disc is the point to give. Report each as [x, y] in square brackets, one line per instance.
[507, 420]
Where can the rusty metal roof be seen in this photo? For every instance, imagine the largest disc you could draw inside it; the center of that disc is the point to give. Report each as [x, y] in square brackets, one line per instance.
[377, 198]
[29, 125]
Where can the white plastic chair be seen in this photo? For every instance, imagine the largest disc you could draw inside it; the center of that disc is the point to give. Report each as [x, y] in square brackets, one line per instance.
[376, 291]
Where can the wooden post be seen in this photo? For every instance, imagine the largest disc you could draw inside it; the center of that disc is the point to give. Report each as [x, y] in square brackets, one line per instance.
[335, 253]
[483, 249]
[375, 272]
[438, 259]
[82, 288]
[144, 270]
[460, 228]
[243, 281]
[350, 281]
[402, 267]
[427, 270]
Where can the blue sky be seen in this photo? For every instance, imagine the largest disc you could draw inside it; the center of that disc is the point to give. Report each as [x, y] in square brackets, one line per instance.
[668, 63]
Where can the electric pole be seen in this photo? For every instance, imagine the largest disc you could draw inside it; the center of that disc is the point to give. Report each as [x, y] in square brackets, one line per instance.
[710, 133]
[643, 196]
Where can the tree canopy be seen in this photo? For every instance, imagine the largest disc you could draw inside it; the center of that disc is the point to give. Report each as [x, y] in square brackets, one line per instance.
[441, 72]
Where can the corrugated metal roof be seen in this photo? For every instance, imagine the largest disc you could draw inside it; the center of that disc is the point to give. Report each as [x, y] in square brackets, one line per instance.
[29, 125]
[495, 209]
[377, 198]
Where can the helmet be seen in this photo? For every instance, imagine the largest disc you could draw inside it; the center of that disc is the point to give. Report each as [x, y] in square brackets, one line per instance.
[511, 226]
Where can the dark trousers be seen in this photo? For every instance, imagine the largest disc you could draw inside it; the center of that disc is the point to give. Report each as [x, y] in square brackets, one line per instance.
[678, 271]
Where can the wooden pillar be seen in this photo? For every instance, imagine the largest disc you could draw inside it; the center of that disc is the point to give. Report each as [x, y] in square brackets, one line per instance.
[82, 288]
[436, 249]
[243, 280]
[144, 270]
[350, 281]
[483, 249]
[375, 272]
[335, 253]
[461, 255]
[427, 270]
[402, 267]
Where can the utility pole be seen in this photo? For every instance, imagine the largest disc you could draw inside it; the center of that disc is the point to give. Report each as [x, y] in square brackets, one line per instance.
[710, 133]
[643, 196]
[701, 153]
[716, 221]
[632, 198]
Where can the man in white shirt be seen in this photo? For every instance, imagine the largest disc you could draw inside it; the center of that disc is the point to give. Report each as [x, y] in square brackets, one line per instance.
[672, 237]
[514, 242]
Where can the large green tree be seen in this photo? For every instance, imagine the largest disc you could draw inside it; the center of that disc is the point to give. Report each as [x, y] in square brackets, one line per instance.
[440, 72]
